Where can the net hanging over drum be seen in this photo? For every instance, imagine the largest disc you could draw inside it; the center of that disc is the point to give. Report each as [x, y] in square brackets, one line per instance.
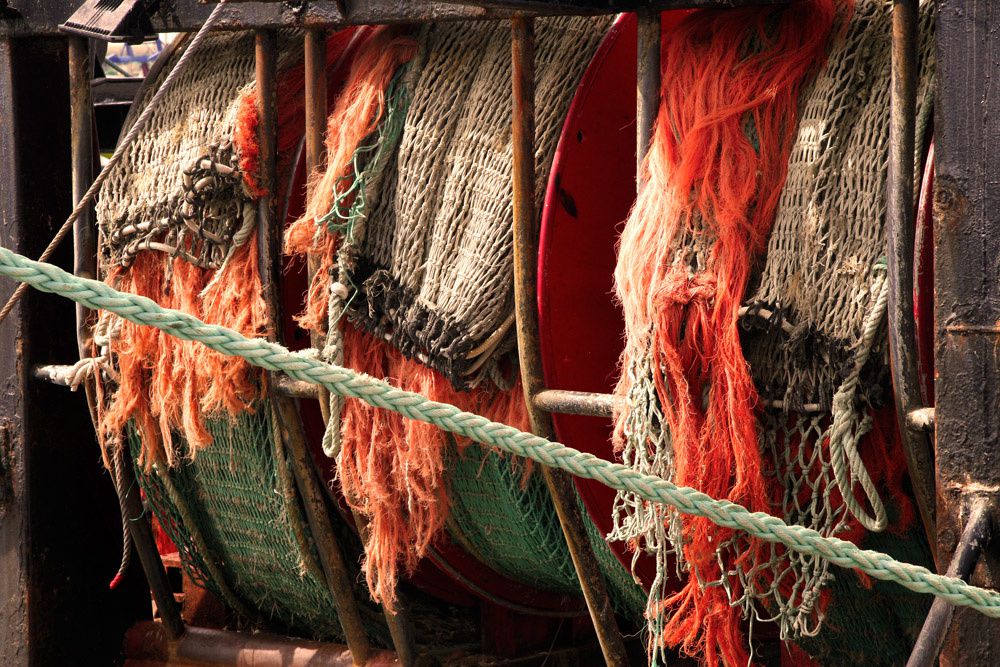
[750, 271]
[752, 275]
[178, 223]
[413, 219]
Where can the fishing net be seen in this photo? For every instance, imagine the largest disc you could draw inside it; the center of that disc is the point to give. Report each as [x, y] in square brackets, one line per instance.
[507, 521]
[419, 290]
[239, 528]
[180, 189]
[178, 225]
[813, 334]
[435, 267]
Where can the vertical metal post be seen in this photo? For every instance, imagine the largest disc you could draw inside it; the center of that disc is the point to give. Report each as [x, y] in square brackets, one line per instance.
[400, 627]
[289, 425]
[82, 146]
[647, 83]
[560, 485]
[268, 230]
[145, 547]
[316, 103]
[901, 232]
[81, 119]
[338, 578]
[967, 297]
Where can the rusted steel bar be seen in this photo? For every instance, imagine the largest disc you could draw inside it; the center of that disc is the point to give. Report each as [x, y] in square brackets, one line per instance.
[316, 102]
[560, 485]
[286, 386]
[316, 97]
[268, 230]
[399, 624]
[338, 577]
[977, 533]
[148, 643]
[145, 548]
[81, 112]
[647, 83]
[922, 419]
[901, 231]
[575, 402]
[82, 137]
[288, 425]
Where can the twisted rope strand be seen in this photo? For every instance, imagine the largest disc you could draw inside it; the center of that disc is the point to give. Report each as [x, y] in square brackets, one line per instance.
[271, 356]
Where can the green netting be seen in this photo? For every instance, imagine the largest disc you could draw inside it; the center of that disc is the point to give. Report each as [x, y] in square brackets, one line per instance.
[510, 524]
[234, 494]
[875, 624]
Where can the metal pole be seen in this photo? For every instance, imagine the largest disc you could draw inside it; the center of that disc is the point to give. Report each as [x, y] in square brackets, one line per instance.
[81, 111]
[316, 103]
[145, 547]
[900, 230]
[977, 533]
[82, 137]
[400, 627]
[331, 558]
[647, 83]
[560, 484]
[268, 231]
[399, 622]
[289, 425]
[146, 645]
[576, 402]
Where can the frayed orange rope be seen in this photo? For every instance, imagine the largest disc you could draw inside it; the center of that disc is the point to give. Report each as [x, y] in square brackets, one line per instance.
[715, 170]
[170, 386]
[167, 385]
[392, 469]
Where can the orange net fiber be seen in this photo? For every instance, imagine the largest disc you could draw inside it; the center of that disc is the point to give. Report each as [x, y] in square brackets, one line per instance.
[715, 170]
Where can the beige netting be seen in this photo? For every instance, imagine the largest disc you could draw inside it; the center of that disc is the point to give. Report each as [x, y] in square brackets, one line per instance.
[821, 364]
[179, 188]
[435, 265]
[815, 336]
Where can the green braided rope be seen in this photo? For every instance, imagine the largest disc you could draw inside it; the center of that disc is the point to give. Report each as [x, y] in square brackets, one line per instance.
[271, 356]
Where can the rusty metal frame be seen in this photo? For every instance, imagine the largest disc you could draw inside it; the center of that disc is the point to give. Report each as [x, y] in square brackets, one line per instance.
[560, 484]
[966, 329]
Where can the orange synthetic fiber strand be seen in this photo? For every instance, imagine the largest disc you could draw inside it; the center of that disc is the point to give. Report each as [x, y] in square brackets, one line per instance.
[170, 386]
[167, 385]
[715, 170]
[392, 468]
[356, 115]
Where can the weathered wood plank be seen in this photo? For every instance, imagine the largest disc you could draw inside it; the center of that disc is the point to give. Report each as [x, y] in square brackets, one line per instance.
[60, 530]
[967, 294]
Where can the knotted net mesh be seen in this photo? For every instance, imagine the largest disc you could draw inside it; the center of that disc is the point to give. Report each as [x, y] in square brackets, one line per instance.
[814, 338]
[179, 189]
[424, 262]
[435, 265]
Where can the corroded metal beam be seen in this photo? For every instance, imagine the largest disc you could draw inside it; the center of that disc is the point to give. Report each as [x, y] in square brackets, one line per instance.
[41, 17]
[560, 485]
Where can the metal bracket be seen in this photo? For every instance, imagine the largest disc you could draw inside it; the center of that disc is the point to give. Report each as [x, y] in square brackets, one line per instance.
[113, 20]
